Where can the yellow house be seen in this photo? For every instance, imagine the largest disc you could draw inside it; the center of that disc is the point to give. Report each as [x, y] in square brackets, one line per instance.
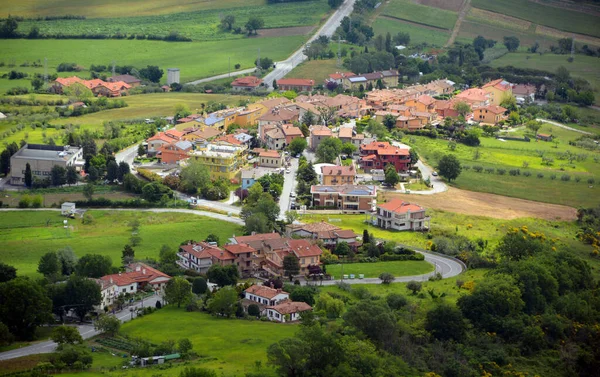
[248, 117]
[266, 105]
[222, 161]
[498, 90]
[489, 114]
[423, 103]
[338, 175]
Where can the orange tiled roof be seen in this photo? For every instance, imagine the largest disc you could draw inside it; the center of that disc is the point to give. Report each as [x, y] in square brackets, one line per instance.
[271, 154]
[339, 170]
[345, 132]
[500, 84]
[257, 237]
[161, 136]
[303, 248]
[248, 81]
[291, 130]
[320, 131]
[296, 82]
[290, 307]
[341, 75]
[229, 139]
[67, 81]
[239, 248]
[400, 206]
[264, 291]
[141, 273]
[174, 133]
[494, 109]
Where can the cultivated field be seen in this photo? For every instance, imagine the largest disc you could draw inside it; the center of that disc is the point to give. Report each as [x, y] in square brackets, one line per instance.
[562, 19]
[418, 33]
[408, 10]
[27, 235]
[317, 70]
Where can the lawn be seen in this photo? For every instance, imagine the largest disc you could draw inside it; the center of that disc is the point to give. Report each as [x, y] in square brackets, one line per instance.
[26, 235]
[408, 10]
[512, 155]
[317, 70]
[194, 59]
[473, 27]
[229, 346]
[418, 34]
[586, 67]
[201, 25]
[559, 18]
[373, 270]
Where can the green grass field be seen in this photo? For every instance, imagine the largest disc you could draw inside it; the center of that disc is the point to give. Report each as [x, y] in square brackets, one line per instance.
[471, 28]
[511, 155]
[317, 70]
[586, 67]
[373, 270]
[25, 237]
[418, 34]
[201, 25]
[115, 8]
[408, 10]
[559, 18]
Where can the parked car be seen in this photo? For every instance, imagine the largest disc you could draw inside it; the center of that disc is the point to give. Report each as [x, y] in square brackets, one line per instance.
[292, 205]
[435, 174]
[287, 171]
[292, 194]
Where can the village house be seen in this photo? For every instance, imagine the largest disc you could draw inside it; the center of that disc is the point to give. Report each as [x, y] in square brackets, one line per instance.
[213, 120]
[222, 161]
[498, 90]
[267, 105]
[347, 198]
[338, 175]
[274, 138]
[245, 258]
[275, 117]
[378, 154]
[298, 85]
[264, 295]
[251, 175]
[201, 256]
[137, 277]
[128, 79]
[174, 152]
[339, 77]
[474, 97]
[524, 92]
[97, 86]
[247, 117]
[108, 292]
[246, 84]
[270, 159]
[423, 103]
[399, 215]
[388, 78]
[318, 134]
[290, 132]
[324, 232]
[345, 134]
[198, 134]
[544, 137]
[288, 311]
[160, 139]
[489, 114]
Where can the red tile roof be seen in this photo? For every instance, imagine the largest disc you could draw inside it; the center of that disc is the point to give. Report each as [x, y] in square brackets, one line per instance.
[141, 273]
[339, 170]
[296, 82]
[229, 139]
[494, 109]
[345, 132]
[400, 206]
[239, 248]
[264, 291]
[340, 75]
[291, 130]
[163, 137]
[303, 248]
[270, 154]
[257, 237]
[174, 133]
[247, 82]
[320, 131]
[291, 307]
[498, 84]
[384, 148]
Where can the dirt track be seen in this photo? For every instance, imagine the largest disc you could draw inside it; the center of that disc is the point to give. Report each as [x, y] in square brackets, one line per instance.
[490, 205]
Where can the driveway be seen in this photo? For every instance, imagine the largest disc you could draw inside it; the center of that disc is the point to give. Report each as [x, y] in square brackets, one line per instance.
[437, 183]
[127, 154]
[563, 126]
[87, 331]
[289, 186]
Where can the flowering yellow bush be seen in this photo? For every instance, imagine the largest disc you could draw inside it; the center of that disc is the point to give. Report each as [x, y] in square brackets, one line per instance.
[469, 285]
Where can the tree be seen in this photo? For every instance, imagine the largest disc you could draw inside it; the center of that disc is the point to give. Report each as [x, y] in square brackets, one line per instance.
[154, 192]
[93, 174]
[224, 302]
[127, 255]
[472, 138]
[112, 171]
[167, 256]
[376, 321]
[253, 310]
[178, 291]
[332, 307]
[227, 22]
[366, 238]
[297, 146]
[83, 294]
[449, 167]
[66, 335]
[274, 84]
[289, 356]
[94, 266]
[308, 119]
[534, 126]
[7, 272]
[223, 275]
[108, 324]
[181, 111]
[141, 150]
[123, 170]
[257, 223]
[329, 149]
[462, 108]
[253, 24]
[348, 149]
[304, 294]
[265, 63]
[5, 161]
[199, 286]
[58, 175]
[342, 248]
[72, 176]
[197, 372]
[24, 307]
[389, 121]
[511, 43]
[327, 114]
[67, 259]
[291, 216]
[515, 245]
[386, 278]
[194, 177]
[184, 346]
[414, 157]
[413, 286]
[28, 175]
[88, 191]
[291, 266]
[446, 322]
[391, 175]
[152, 73]
[49, 265]
[396, 301]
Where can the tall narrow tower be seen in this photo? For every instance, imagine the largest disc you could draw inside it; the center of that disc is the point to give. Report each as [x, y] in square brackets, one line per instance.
[46, 72]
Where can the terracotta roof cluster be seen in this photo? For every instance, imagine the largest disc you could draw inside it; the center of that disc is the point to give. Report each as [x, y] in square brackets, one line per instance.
[499, 84]
[203, 250]
[270, 154]
[280, 115]
[247, 82]
[92, 84]
[345, 132]
[295, 82]
[164, 136]
[400, 206]
[257, 237]
[291, 307]
[383, 148]
[473, 95]
[231, 139]
[320, 131]
[339, 170]
[140, 273]
[264, 291]
[494, 109]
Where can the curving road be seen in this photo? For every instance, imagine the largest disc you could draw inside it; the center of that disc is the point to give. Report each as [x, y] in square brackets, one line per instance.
[563, 126]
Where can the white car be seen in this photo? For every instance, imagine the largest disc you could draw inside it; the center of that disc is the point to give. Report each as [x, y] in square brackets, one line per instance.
[292, 194]
[435, 174]
[287, 171]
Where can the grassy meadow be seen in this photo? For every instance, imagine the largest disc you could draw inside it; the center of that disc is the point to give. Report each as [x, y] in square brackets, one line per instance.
[408, 10]
[27, 235]
[373, 270]
[317, 70]
[418, 34]
[558, 18]
[201, 25]
[515, 155]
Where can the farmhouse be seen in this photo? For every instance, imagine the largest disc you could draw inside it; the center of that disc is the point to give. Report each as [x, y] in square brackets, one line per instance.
[524, 92]
[265, 295]
[246, 84]
[41, 159]
[400, 215]
[128, 79]
[137, 277]
[299, 85]
[287, 311]
[327, 233]
[544, 137]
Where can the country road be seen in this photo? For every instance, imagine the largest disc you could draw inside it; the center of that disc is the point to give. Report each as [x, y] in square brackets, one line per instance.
[283, 67]
[563, 126]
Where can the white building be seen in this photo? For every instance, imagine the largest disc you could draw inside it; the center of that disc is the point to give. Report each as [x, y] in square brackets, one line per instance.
[400, 215]
[172, 75]
[265, 295]
[287, 311]
[41, 159]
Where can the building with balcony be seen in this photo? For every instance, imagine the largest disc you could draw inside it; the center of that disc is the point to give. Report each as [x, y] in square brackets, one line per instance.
[338, 175]
[347, 198]
[222, 161]
[400, 215]
[201, 256]
[265, 295]
[327, 233]
[378, 154]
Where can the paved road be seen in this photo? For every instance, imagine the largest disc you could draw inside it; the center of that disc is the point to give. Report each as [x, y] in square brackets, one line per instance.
[563, 126]
[127, 154]
[86, 331]
[289, 186]
[438, 185]
[285, 66]
[223, 76]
